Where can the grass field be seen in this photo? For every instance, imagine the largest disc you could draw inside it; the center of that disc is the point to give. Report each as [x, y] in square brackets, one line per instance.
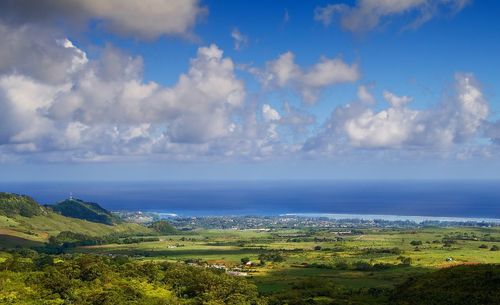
[228, 247]
[39, 228]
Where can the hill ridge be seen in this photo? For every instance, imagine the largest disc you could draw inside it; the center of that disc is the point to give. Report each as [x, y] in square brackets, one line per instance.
[91, 211]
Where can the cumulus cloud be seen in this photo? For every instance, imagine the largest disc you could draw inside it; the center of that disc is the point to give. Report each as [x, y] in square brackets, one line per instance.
[396, 101]
[34, 51]
[283, 72]
[240, 40]
[367, 15]
[144, 19]
[453, 121]
[103, 106]
[269, 113]
[271, 116]
[364, 95]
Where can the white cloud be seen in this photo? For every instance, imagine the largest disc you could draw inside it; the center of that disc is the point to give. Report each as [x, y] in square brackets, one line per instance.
[145, 19]
[451, 122]
[396, 101]
[325, 14]
[269, 113]
[196, 109]
[284, 72]
[22, 103]
[471, 107]
[91, 108]
[387, 128]
[240, 40]
[32, 51]
[364, 95]
[296, 118]
[367, 15]
[271, 117]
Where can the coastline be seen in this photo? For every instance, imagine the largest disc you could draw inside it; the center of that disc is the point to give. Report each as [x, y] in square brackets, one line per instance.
[416, 219]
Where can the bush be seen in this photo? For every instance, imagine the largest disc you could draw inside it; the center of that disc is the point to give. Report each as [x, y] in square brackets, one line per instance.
[271, 257]
[462, 285]
[342, 265]
[245, 260]
[362, 266]
[405, 260]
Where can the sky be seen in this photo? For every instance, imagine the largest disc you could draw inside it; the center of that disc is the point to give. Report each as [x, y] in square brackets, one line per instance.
[215, 90]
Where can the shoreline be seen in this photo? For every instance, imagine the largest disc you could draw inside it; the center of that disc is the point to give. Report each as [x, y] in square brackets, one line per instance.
[418, 219]
[413, 218]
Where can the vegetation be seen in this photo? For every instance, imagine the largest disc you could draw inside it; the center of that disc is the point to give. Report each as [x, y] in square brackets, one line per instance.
[13, 204]
[54, 259]
[28, 277]
[24, 222]
[163, 227]
[80, 209]
[471, 285]
[86, 279]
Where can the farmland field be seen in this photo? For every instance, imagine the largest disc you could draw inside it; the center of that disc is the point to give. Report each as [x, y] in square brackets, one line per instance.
[373, 258]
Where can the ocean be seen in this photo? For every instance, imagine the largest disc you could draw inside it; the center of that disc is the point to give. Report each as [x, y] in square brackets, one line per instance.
[477, 199]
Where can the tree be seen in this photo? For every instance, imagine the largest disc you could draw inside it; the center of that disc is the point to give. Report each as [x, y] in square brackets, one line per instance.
[406, 261]
[245, 260]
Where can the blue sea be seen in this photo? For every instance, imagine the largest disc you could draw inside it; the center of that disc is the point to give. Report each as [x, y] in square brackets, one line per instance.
[477, 199]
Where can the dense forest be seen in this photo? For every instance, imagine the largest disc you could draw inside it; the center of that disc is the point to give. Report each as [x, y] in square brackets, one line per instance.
[28, 277]
[13, 204]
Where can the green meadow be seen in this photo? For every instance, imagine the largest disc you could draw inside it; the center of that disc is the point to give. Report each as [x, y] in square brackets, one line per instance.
[375, 258]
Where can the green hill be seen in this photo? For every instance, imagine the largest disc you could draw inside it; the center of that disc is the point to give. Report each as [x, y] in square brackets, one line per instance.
[163, 227]
[80, 209]
[13, 204]
[23, 219]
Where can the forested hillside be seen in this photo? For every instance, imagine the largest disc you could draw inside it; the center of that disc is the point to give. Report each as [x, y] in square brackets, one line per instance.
[80, 209]
[12, 205]
[23, 221]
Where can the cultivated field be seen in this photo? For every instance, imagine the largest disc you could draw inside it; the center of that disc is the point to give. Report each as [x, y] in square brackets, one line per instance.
[371, 258]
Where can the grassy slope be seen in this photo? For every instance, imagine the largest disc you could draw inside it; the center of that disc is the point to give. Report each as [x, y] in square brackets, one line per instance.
[39, 228]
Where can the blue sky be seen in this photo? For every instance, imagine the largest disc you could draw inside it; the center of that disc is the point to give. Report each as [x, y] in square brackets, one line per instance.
[249, 90]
